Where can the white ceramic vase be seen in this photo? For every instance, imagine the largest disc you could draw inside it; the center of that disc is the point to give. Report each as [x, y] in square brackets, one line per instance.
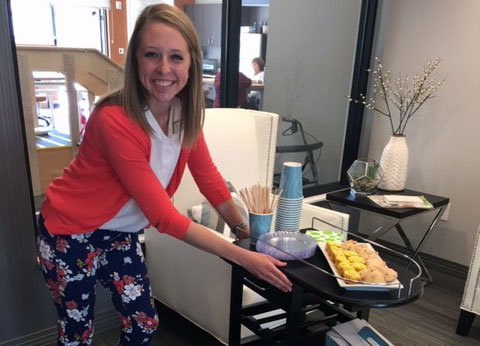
[394, 164]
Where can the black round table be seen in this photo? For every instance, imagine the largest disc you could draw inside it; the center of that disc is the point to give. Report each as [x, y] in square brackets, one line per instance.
[312, 287]
[328, 287]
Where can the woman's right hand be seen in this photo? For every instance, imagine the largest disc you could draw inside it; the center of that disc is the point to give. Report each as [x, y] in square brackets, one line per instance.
[262, 266]
[265, 268]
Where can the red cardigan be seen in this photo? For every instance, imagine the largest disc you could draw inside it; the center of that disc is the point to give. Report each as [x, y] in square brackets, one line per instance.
[112, 165]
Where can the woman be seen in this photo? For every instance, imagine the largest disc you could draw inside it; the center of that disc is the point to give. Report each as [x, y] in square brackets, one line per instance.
[255, 96]
[258, 66]
[131, 160]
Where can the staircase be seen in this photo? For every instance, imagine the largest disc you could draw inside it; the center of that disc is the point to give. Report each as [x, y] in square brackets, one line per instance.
[87, 67]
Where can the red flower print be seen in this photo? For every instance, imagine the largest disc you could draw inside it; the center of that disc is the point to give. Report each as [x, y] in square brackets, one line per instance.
[150, 323]
[89, 259]
[49, 265]
[60, 272]
[141, 317]
[118, 244]
[86, 334]
[71, 305]
[128, 279]
[125, 322]
[54, 290]
[46, 264]
[62, 244]
[61, 284]
[119, 286]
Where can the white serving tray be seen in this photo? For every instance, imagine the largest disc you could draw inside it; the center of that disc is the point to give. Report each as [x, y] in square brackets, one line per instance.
[394, 285]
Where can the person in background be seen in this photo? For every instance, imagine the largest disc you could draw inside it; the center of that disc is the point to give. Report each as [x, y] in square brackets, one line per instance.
[136, 145]
[254, 97]
[243, 84]
[258, 66]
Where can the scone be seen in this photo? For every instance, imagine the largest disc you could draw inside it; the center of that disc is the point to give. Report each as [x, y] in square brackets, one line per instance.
[348, 245]
[375, 263]
[372, 275]
[389, 274]
[365, 251]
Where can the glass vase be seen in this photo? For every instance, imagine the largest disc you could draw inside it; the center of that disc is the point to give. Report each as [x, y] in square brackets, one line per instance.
[363, 176]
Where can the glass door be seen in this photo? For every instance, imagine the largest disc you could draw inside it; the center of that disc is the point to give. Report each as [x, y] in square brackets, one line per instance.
[206, 16]
[303, 58]
[56, 95]
[308, 72]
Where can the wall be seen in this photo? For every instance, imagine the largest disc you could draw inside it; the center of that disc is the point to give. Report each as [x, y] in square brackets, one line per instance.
[181, 3]
[117, 31]
[443, 138]
[310, 52]
[258, 14]
[23, 296]
[134, 7]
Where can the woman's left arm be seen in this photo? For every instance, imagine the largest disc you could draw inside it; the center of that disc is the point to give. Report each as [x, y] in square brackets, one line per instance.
[229, 212]
[213, 186]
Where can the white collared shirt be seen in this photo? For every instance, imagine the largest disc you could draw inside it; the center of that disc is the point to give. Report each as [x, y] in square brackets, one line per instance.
[164, 153]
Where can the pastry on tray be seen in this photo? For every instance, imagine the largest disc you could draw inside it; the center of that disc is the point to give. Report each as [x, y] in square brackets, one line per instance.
[359, 262]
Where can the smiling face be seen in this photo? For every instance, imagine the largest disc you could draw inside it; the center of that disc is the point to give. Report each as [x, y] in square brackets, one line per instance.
[163, 64]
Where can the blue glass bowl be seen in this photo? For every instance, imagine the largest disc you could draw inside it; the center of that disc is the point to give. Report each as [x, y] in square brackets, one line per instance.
[286, 246]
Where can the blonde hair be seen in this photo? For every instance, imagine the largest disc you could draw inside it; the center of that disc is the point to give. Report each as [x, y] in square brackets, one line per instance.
[132, 96]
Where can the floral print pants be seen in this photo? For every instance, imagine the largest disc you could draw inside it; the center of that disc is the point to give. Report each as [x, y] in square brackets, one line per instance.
[71, 265]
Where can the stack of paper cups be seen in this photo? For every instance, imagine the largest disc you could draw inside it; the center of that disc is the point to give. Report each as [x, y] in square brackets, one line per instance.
[289, 206]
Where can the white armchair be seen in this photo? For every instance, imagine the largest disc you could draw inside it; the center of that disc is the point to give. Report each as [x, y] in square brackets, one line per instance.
[192, 282]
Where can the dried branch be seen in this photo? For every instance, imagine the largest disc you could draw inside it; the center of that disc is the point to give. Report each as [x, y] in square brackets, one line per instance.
[406, 95]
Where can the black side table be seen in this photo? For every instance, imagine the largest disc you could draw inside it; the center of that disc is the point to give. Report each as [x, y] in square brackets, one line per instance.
[348, 198]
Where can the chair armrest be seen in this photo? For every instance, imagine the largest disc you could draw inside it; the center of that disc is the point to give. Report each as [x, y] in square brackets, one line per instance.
[309, 212]
[315, 199]
[471, 294]
[221, 235]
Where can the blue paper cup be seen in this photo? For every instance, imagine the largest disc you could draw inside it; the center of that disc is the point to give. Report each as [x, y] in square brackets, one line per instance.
[291, 180]
[259, 224]
[288, 214]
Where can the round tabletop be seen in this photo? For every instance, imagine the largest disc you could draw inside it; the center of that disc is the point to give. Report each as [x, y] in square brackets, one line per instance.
[327, 287]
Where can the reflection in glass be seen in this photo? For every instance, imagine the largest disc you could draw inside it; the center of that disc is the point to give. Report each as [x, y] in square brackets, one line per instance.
[244, 84]
[253, 52]
[308, 78]
[207, 19]
[310, 148]
[56, 107]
